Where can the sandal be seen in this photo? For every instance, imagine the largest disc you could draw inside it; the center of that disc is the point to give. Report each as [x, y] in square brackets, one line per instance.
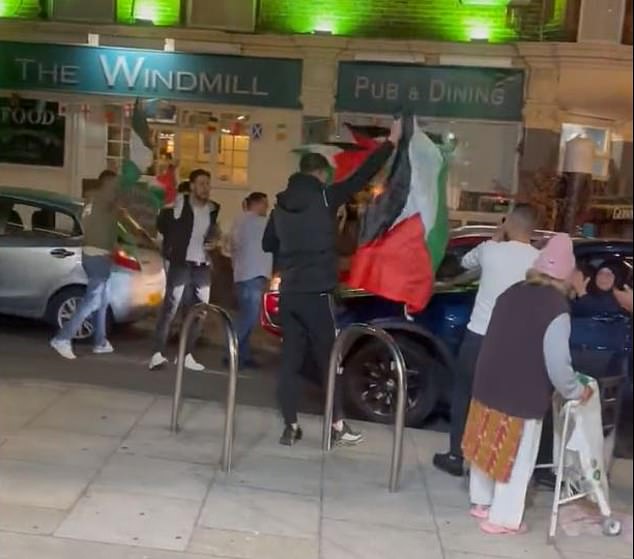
[481, 512]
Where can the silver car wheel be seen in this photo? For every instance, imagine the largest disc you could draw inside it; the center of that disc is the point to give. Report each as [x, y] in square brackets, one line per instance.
[66, 311]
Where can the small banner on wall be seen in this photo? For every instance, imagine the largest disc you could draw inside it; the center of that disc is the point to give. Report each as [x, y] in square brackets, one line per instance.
[32, 132]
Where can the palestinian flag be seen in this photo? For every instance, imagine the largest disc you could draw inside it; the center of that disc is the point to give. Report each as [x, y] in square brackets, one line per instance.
[404, 231]
[141, 157]
[346, 155]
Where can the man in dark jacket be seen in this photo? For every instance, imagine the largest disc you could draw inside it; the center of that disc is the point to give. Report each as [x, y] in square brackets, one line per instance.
[189, 229]
[301, 233]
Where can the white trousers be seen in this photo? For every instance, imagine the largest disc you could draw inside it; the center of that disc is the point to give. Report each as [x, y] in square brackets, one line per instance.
[507, 500]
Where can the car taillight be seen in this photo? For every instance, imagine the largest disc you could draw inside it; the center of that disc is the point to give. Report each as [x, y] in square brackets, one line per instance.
[125, 260]
[272, 303]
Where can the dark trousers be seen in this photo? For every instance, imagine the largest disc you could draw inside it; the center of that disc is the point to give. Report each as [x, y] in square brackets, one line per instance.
[308, 324]
[463, 385]
[545, 455]
[188, 284]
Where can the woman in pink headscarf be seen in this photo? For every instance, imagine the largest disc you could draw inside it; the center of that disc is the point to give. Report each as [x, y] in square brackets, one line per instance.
[524, 356]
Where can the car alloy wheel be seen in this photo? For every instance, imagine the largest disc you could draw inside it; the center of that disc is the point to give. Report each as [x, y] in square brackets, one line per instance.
[371, 386]
[66, 311]
[380, 387]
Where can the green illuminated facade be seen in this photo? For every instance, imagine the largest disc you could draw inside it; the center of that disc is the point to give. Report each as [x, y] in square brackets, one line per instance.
[28, 9]
[440, 20]
[494, 21]
[159, 12]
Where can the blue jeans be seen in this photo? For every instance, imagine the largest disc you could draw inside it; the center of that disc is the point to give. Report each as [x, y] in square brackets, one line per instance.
[249, 294]
[98, 269]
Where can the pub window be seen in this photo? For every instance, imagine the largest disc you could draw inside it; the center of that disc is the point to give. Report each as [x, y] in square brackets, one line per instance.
[601, 139]
[118, 144]
[232, 159]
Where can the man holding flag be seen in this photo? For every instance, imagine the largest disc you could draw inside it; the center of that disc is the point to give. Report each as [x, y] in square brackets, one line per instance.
[301, 234]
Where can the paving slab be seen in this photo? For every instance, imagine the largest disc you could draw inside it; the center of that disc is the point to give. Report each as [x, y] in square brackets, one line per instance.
[76, 417]
[459, 532]
[120, 400]
[408, 509]
[47, 446]
[153, 476]
[132, 519]
[260, 511]
[250, 545]
[29, 520]
[20, 403]
[274, 473]
[18, 546]
[41, 485]
[352, 540]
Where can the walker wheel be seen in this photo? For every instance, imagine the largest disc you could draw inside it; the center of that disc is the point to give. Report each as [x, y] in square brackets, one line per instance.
[611, 527]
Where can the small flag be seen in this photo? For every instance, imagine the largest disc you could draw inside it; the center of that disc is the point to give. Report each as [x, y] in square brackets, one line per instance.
[256, 131]
[141, 156]
[404, 231]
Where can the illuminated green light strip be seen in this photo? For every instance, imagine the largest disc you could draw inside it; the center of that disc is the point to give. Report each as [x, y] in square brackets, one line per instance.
[158, 12]
[444, 20]
[20, 8]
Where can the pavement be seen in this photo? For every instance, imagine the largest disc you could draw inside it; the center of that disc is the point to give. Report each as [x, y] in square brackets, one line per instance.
[94, 472]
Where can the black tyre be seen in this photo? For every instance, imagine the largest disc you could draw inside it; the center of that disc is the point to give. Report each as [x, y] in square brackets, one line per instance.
[370, 384]
[63, 304]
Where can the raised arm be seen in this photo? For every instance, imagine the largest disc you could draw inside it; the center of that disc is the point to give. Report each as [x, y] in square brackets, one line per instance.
[341, 192]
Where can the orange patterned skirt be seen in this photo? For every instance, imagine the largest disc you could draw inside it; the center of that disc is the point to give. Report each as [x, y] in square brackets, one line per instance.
[491, 440]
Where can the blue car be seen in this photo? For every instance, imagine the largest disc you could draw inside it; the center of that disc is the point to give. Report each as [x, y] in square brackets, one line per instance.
[430, 340]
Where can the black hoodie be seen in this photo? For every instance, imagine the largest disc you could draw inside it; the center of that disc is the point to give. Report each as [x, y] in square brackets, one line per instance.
[301, 231]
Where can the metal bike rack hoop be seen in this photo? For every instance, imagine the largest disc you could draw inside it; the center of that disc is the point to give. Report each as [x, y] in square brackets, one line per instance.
[199, 311]
[343, 340]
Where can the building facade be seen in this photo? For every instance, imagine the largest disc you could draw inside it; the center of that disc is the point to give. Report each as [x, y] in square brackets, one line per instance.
[237, 90]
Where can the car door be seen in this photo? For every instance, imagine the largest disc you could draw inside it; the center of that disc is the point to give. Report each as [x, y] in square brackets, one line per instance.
[39, 253]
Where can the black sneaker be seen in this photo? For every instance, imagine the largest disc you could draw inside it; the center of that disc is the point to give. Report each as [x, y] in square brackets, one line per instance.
[346, 437]
[291, 435]
[450, 464]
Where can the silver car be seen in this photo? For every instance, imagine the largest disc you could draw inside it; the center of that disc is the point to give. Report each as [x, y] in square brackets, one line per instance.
[41, 276]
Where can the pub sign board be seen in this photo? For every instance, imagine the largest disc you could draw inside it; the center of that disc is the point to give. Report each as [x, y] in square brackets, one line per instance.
[31, 132]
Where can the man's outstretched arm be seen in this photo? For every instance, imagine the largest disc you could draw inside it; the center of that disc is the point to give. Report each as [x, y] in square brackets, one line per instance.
[341, 192]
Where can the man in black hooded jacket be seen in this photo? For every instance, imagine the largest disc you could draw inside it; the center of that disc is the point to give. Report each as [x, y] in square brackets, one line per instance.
[301, 233]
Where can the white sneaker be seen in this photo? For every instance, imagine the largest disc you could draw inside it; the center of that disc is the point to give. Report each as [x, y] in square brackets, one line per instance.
[157, 361]
[64, 348]
[104, 348]
[192, 364]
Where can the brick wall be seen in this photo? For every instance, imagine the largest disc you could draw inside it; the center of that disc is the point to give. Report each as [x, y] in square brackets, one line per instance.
[441, 20]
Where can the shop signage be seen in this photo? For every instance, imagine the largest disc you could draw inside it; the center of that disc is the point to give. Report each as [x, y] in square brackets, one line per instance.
[241, 80]
[433, 91]
[31, 132]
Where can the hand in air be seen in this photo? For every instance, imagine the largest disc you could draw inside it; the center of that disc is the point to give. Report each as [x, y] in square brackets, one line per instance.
[396, 131]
